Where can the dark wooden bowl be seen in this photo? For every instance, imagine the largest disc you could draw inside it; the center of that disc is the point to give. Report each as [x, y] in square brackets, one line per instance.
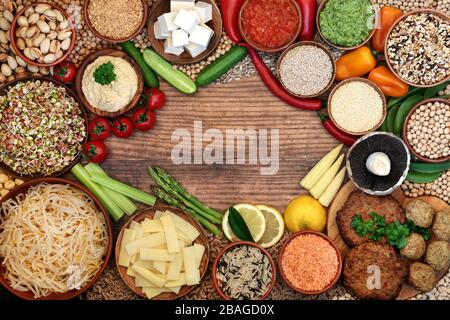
[258, 47]
[280, 261]
[308, 43]
[216, 24]
[405, 129]
[243, 243]
[98, 35]
[12, 34]
[319, 10]
[5, 88]
[113, 53]
[373, 85]
[149, 213]
[388, 62]
[73, 293]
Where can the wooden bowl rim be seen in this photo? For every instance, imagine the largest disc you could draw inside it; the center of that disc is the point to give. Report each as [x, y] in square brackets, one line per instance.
[319, 10]
[243, 243]
[324, 236]
[404, 131]
[373, 85]
[258, 47]
[90, 59]
[72, 94]
[98, 35]
[388, 62]
[72, 293]
[317, 45]
[145, 213]
[12, 35]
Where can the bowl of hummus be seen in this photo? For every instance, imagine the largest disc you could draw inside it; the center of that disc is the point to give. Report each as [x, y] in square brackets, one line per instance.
[109, 83]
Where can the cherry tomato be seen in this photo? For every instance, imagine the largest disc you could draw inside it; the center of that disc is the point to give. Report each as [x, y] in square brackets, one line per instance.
[154, 98]
[144, 119]
[65, 72]
[96, 151]
[99, 128]
[122, 127]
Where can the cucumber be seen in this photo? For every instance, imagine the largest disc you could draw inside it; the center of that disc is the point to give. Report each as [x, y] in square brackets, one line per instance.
[403, 111]
[164, 69]
[419, 177]
[423, 167]
[391, 119]
[150, 78]
[221, 66]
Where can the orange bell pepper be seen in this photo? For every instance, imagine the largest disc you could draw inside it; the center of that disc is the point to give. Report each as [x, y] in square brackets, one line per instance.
[356, 63]
[388, 15]
[388, 82]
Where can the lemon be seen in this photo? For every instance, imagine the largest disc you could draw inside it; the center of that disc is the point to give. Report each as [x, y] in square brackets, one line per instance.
[305, 213]
[274, 226]
[252, 216]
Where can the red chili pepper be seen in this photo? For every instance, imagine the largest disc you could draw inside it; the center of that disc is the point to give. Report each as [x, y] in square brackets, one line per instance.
[308, 9]
[340, 135]
[277, 89]
[230, 15]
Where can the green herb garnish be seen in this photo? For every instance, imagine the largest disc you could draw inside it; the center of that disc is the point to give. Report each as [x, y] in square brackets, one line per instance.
[238, 225]
[104, 74]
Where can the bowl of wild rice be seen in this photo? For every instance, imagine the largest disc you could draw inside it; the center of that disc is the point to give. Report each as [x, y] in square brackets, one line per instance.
[310, 262]
[244, 271]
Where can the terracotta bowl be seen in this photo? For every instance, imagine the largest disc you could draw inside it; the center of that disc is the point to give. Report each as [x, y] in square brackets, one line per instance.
[280, 261]
[14, 27]
[319, 10]
[73, 293]
[404, 134]
[11, 172]
[373, 85]
[90, 59]
[236, 244]
[98, 35]
[216, 24]
[388, 62]
[258, 47]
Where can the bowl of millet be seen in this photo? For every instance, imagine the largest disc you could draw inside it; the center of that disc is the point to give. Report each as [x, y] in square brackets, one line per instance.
[427, 130]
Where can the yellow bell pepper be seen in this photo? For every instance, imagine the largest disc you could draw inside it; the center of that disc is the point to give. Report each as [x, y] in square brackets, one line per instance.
[355, 64]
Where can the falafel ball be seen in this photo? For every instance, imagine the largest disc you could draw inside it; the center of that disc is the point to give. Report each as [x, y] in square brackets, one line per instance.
[420, 212]
[441, 225]
[438, 255]
[415, 248]
[422, 276]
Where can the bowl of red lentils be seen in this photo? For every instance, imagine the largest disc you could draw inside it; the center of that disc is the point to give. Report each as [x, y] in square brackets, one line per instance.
[426, 131]
[310, 262]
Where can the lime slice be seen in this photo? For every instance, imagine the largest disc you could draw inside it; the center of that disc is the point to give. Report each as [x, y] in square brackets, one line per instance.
[252, 216]
[274, 226]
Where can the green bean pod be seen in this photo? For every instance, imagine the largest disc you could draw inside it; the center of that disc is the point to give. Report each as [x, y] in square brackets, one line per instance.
[403, 111]
[390, 119]
[419, 177]
[423, 167]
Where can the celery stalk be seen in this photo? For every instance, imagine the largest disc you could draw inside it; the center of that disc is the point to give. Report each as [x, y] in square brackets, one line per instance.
[84, 177]
[124, 189]
[123, 202]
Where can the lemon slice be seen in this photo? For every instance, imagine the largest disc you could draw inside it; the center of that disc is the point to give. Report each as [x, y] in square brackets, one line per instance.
[274, 226]
[252, 216]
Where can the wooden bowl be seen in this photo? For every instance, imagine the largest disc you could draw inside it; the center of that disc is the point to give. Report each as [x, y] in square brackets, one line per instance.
[257, 46]
[113, 53]
[319, 10]
[373, 85]
[149, 213]
[405, 140]
[242, 243]
[14, 26]
[308, 43]
[280, 261]
[98, 35]
[73, 293]
[388, 62]
[5, 88]
[216, 24]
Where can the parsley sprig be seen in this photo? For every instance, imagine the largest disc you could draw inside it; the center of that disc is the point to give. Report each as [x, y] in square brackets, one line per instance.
[104, 74]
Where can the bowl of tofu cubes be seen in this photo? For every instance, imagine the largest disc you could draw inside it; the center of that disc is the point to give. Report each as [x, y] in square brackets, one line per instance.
[184, 31]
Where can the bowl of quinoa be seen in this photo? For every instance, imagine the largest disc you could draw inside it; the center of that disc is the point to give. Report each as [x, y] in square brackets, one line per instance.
[42, 128]
[310, 262]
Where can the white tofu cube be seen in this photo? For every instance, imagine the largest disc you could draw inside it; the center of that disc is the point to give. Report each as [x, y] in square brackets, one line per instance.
[171, 49]
[186, 21]
[158, 33]
[194, 49]
[180, 38]
[201, 36]
[166, 22]
[204, 10]
[177, 5]
[195, 14]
